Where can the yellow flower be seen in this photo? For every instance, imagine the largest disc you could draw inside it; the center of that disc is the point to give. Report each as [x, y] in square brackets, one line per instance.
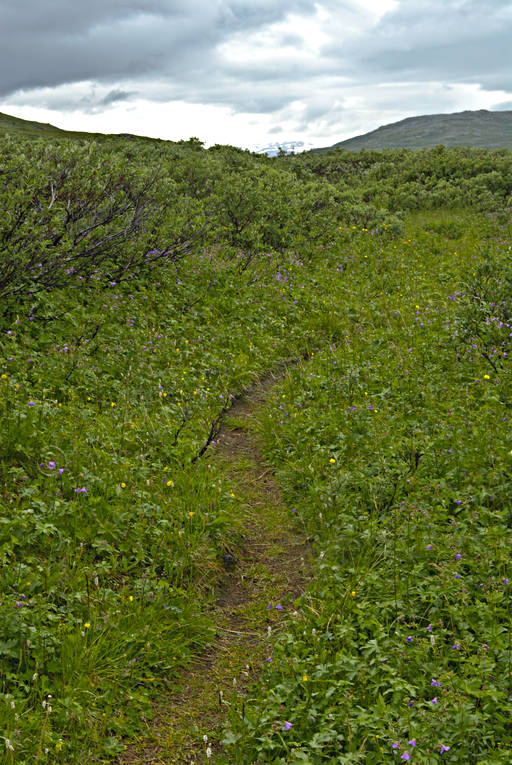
[112, 403]
[123, 485]
[486, 377]
[332, 460]
[231, 495]
[4, 377]
[190, 514]
[353, 593]
[164, 394]
[170, 483]
[130, 598]
[87, 625]
[304, 678]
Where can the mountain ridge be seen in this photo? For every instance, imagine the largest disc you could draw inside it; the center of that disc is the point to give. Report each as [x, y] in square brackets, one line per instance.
[478, 129]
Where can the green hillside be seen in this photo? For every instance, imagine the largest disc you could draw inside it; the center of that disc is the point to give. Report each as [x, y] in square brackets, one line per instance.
[32, 129]
[480, 129]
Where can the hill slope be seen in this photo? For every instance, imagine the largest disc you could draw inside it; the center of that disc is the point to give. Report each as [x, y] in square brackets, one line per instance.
[480, 129]
[32, 129]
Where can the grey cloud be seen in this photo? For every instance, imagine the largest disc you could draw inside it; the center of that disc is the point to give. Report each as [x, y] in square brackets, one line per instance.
[165, 50]
[115, 96]
[453, 41]
[52, 42]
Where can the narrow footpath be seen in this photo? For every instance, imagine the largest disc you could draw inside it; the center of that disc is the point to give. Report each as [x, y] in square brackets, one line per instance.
[271, 568]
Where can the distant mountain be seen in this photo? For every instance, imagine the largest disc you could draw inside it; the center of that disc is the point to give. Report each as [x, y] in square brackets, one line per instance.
[480, 129]
[288, 147]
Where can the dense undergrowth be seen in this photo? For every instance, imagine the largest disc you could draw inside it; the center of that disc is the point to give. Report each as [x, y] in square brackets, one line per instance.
[394, 446]
[143, 285]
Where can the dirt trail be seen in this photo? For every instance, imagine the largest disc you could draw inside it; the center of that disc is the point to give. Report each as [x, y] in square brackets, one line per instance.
[272, 567]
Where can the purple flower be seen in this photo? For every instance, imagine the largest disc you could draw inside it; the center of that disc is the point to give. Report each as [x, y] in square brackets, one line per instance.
[455, 647]
[429, 547]
[60, 471]
[279, 608]
[287, 725]
[409, 639]
[444, 749]
[269, 608]
[429, 627]
[31, 403]
[437, 683]
[395, 745]
[51, 465]
[18, 604]
[458, 556]
[405, 756]
[412, 742]
[434, 700]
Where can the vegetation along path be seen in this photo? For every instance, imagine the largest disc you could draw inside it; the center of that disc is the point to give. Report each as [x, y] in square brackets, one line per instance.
[264, 575]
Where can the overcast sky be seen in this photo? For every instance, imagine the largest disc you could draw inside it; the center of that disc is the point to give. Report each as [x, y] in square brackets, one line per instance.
[251, 72]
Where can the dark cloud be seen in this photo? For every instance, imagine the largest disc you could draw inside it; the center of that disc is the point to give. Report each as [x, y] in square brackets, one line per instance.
[53, 42]
[115, 96]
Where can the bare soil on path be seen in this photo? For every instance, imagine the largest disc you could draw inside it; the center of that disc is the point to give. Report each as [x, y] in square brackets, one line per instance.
[272, 566]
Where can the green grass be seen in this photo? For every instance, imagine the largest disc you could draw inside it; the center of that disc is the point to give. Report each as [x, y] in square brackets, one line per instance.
[395, 448]
[391, 441]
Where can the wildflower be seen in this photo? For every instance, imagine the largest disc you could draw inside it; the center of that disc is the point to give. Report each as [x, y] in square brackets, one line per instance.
[130, 598]
[486, 377]
[60, 471]
[395, 745]
[437, 683]
[112, 403]
[287, 725]
[279, 608]
[332, 460]
[409, 639]
[429, 627]
[412, 742]
[458, 556]
[429, 547]
[191, 513]
[444, 749]
[170, 483]
[123, 485]
[304, 678]
[405, 756]
[31, 403]
[353, 593]
[208, 752]
[4, 377]
[434, 700]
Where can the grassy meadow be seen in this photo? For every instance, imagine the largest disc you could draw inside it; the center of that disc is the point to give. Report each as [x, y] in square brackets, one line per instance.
[144, 285]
